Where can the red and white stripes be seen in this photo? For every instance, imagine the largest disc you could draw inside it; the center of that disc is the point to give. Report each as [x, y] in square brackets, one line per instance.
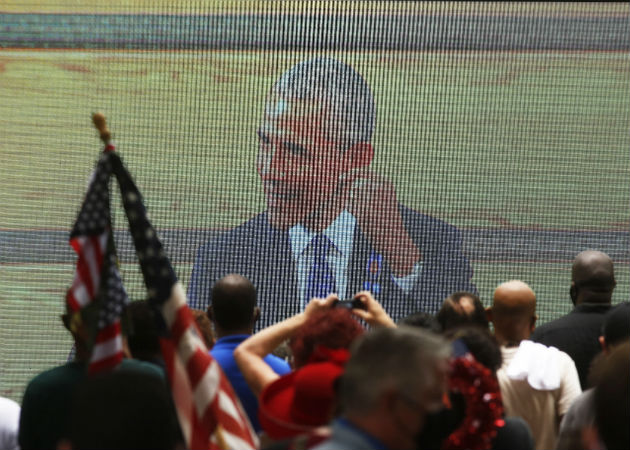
[210, 414]
[107, 352]
[87, 277]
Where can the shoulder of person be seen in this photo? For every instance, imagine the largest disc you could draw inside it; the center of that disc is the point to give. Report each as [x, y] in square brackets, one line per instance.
[142, 367]
[555, 326]
[243, 236]
[432, 234]
[420, 221]
[68, 373]
[515, 434]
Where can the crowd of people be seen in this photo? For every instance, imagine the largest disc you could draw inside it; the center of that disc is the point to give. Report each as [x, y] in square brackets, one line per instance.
[345, 376]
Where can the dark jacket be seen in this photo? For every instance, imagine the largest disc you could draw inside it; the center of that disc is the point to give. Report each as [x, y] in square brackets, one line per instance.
[576, 334]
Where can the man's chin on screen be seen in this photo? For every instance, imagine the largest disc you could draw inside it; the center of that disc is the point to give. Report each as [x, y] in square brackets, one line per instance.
[288, 207]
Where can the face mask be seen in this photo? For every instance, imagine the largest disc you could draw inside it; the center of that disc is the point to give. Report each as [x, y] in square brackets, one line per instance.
[573, 293]
[440, 424]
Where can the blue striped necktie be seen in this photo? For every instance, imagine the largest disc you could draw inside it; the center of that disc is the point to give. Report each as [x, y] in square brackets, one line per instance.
[321, 280]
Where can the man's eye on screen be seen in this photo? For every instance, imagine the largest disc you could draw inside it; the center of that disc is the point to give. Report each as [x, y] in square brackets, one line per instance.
[263, 138]
[294, 149]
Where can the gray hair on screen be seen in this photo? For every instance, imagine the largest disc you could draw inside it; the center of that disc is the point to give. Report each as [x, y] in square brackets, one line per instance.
[341, 88]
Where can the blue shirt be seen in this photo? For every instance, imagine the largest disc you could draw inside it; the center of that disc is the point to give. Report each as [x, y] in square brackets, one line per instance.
[223, 352]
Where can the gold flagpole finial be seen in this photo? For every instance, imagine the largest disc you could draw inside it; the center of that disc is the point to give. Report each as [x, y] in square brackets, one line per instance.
[101, 125]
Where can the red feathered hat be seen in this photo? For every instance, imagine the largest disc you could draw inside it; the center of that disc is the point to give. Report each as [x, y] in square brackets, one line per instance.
[302, 400]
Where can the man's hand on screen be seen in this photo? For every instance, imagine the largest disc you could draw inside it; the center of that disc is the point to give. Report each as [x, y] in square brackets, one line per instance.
[371, 198]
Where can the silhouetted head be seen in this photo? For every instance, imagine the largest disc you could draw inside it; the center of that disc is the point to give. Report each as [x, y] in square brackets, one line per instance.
[616, 326]
[592, 278]
[462, 308]
[233, 309]
[142, 333]
[481, 344]
[422, 320]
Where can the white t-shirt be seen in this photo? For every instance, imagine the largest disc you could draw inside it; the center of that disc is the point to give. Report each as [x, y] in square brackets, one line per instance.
[9, 422]
[538, 384]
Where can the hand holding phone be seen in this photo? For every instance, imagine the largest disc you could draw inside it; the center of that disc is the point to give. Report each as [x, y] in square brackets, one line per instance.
[371, 311]
[354, 303]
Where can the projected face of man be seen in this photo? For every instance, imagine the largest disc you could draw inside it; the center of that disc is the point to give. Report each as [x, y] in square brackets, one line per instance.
[299, 165]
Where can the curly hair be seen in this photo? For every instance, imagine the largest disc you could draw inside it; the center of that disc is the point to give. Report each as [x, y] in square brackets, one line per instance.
[205, 326]
[481, 343]
[334, 328]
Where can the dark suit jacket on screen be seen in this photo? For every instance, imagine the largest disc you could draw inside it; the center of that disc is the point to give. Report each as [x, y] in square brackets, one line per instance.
[263, 255]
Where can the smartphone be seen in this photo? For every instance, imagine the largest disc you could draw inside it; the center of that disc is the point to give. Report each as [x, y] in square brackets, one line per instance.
[354, 303]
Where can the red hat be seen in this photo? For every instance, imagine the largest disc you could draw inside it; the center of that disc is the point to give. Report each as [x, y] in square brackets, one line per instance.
[302, 400]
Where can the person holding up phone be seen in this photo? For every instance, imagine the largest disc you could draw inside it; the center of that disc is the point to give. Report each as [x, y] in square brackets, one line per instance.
[319, 337]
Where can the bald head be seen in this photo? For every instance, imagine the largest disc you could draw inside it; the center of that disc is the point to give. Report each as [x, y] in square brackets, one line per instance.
[233, 304]
[592, 278]
[234, 283]
[513, 311]
[514, 298]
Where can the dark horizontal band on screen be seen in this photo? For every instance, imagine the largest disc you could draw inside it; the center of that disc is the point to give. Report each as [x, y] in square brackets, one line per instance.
[345, 32]
[480, 245]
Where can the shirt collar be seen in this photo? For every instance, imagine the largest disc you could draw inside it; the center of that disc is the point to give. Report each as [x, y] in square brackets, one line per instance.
[232, 339]
[340, 233]
[592, 307]
[342, 422]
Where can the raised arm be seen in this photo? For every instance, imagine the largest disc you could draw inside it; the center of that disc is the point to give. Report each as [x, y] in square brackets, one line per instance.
[250, 353]
[374, 314]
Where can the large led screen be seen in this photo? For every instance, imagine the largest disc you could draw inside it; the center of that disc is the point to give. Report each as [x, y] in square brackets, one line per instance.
[429, 147]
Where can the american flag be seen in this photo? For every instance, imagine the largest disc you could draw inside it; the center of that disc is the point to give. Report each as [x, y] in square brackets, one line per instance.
[209, 412]
[97, 292]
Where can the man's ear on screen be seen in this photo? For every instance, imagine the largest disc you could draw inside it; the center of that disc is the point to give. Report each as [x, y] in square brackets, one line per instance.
[360, 155]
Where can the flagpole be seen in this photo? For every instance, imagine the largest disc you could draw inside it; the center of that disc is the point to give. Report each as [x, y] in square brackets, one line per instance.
[100, 123]
[97, 293]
